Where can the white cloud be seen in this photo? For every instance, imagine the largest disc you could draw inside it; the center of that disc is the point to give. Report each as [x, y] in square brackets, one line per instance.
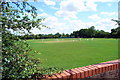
[70, 8]
[102, 0]
[89, 0]
[91, 6]
[106, 24]
[109, 13]
[57, 25]
[66, 14]
[43, 15]
[77, 5]
[94, 17]
[51, 21]
[55, 8]
[102, 24]
[49, 2]
[72, 5]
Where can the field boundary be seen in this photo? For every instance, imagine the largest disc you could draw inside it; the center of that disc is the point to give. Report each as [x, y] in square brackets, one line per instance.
[106, 70]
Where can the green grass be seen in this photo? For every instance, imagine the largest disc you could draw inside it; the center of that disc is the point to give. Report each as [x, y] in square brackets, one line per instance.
[69, 55]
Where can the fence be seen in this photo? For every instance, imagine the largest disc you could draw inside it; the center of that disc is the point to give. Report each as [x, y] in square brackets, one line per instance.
[106, 70]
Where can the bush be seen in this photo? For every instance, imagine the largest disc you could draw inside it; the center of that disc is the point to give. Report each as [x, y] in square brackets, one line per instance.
[16, 64]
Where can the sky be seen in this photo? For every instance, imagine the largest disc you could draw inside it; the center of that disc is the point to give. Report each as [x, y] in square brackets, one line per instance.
[66, 16]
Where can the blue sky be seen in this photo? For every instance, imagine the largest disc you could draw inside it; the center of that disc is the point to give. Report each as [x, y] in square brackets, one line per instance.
[66, 16]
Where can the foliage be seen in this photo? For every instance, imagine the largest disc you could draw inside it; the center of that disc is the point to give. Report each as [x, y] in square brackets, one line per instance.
[16, 63]
[47, 71]
[11, 18]
[115, 32]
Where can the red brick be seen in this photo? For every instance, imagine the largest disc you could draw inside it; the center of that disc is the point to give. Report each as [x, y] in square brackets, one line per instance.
[96, 69]
[68, 74]
[86, 71]
[100, 67]
[54, 77]
[59, 77]
[112, 67]
[48, 77]
[117, 65]
[73, 74]
[82, 73]
[90, 70]
[77, 73]
[64, 76]
[109, 67]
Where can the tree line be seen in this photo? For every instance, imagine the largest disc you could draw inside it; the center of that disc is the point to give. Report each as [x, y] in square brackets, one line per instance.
[82, 33]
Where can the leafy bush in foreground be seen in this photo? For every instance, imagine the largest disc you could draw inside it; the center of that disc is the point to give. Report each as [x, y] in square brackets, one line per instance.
[16, 64]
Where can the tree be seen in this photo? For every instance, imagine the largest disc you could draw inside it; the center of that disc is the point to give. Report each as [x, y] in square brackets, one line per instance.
[57, 35]
[118, 32]
[91, 31]
[115, 33]
[101, 34]
[16, 63]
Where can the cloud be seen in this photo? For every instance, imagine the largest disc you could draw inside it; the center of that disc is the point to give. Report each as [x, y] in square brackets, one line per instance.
[94, 17]
[109, 13]
[86, 0]
[102, 0]
[106, 24]
[67, 21]
[72, 5]
[77, 5]
[66, 14]
[70, 8]
[49, 2]
[55, 8]
[51, 21]
[57, 25]
[43, 15]
[91, 6]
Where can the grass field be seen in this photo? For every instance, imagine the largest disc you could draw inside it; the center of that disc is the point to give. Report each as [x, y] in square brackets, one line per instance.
[72, 53]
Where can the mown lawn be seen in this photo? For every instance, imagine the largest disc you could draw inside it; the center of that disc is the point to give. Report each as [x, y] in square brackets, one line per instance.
[75, 52]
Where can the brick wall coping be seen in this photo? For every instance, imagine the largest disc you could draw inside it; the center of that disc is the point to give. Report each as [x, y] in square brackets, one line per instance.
[86, 71]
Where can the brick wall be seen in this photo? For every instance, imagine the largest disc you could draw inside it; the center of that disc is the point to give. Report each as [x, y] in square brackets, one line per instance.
[104, 71]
